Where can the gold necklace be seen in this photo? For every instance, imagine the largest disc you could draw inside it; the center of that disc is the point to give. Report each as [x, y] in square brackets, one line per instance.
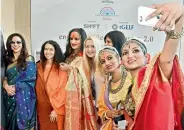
[71, 57]
[115, 81]
[114, 91]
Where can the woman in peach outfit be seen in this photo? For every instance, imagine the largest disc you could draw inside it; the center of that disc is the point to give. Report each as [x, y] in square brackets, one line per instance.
[50, 88]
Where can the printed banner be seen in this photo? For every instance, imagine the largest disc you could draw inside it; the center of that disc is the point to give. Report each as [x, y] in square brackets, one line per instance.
[52, 20]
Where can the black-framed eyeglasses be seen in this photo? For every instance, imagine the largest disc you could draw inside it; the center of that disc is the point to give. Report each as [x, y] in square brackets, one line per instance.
[13, 42]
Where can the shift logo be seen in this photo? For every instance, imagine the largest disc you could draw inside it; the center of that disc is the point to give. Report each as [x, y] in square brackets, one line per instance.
[123, 27]
[92, 26]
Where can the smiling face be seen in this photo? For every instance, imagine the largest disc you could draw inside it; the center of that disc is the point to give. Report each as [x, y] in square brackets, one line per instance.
[90, 49]
[49, 52]
[16, 44]
[133, 56]
[75, 40]
[109, 61]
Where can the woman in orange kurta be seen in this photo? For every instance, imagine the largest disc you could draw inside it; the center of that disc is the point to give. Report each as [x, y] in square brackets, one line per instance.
[50, 88]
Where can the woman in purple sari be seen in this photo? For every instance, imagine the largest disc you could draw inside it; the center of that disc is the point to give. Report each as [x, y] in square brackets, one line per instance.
[19, 94]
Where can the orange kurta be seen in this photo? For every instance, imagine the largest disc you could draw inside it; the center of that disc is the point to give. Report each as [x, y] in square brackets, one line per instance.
[50, 96]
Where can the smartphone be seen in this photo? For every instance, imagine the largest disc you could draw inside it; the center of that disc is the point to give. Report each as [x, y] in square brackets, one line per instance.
[122, 124]
[143, 12]
[118, 106]
[120, 117]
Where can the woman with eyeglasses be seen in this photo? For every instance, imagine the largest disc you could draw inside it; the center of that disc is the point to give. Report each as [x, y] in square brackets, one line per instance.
[19, 95]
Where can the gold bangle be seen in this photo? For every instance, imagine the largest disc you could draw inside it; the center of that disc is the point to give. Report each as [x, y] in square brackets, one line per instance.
[175, 35]
[105, 115]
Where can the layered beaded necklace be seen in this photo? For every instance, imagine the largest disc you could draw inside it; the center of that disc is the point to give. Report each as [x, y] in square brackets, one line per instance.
[114, 91]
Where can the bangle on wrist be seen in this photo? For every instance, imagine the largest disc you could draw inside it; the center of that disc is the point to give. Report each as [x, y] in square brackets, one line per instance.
[175, 35]
[105, 115]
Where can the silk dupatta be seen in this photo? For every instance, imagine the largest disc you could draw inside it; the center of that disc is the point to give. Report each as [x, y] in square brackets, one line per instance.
[80, 114]
[159, 102]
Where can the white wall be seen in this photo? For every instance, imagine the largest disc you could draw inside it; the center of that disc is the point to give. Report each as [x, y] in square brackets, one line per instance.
[15, 17]
[54, 19]
[7, 17]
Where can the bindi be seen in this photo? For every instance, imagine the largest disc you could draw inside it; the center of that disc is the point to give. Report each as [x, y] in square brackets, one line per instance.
[129, 46]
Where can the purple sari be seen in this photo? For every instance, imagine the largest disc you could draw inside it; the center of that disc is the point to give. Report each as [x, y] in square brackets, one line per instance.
[20, 108]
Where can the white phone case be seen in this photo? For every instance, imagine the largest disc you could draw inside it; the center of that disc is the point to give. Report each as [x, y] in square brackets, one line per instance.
[122, 124]
[143, 12]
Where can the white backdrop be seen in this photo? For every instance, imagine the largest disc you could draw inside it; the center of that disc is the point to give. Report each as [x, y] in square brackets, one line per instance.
[52, 20]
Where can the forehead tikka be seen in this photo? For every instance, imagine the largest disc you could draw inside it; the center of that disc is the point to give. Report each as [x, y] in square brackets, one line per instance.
[107, 50]
[142, 46]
